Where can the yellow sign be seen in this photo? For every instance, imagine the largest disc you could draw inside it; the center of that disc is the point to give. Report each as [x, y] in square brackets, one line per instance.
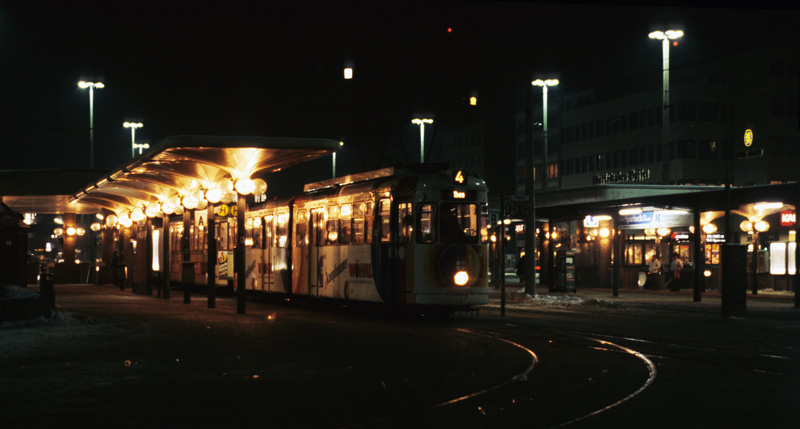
[459, 177]
[748, 137]
[227, 210]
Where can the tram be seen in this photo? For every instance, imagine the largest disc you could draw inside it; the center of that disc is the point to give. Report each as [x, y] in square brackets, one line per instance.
[400, 236]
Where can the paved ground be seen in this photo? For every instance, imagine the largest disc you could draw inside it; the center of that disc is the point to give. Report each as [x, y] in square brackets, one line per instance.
[134, 360]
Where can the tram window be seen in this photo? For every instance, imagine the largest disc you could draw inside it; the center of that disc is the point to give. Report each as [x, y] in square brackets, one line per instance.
[405, 222]
[459, 223]
[426, 228]
[319, 225]
[332, 225]
[368, 219]
[484, 223]
[345, 222]
[359, 212]
[268, 233]
[280, 230]
[301, 228]
[383, 217]
[254, 233]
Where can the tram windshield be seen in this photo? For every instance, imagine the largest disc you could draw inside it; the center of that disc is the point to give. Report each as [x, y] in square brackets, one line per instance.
[459, 223]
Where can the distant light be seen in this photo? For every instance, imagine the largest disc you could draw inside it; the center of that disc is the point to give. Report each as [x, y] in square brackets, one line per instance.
[767, 206]
[630, 211]
[548, 82]
[473, 101]
[449, 29]
[348, 72]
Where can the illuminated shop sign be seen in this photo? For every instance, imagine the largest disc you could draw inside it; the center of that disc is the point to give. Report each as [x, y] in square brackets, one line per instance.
[656, 219]
[781, 258]
[637, 175]
[788, 218]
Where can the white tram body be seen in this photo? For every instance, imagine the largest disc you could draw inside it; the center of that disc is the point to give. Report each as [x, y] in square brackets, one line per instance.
[395, 236]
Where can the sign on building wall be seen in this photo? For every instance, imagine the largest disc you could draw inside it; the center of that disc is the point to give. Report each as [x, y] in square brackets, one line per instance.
[656, 219]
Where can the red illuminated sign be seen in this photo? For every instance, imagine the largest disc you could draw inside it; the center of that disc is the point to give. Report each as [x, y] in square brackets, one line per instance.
[788, 218]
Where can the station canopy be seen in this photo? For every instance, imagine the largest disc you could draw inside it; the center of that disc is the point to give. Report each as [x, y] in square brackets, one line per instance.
[179, 166]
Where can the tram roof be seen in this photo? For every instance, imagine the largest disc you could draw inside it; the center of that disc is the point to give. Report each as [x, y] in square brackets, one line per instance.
[177, 165]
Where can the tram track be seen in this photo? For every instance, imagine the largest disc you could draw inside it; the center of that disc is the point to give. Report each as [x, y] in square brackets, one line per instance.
[523, 376]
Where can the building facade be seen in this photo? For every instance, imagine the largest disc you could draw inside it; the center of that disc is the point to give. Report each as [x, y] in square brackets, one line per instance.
[732, 120]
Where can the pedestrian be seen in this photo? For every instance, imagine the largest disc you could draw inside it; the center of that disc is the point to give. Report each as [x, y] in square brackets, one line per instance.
[114, 268]
[675, 266]
[654, 272]
[521, 268]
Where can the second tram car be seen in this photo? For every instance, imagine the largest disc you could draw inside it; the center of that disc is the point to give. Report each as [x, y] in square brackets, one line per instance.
[400, 236]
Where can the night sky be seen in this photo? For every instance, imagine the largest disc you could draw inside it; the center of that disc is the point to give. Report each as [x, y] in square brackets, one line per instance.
[236, 69]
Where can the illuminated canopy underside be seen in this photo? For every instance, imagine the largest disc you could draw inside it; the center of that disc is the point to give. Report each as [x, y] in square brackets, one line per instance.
[181, 164]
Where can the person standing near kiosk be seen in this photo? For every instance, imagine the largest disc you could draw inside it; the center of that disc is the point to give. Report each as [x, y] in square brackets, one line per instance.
[654, 272]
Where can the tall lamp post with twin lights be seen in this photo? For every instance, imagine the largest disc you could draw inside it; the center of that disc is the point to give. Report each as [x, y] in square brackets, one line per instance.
[91, 86]
[665, 37]
[421, 122]
[133, 126]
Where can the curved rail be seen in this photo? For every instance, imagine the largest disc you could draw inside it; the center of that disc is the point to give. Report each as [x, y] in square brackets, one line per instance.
[651, 377]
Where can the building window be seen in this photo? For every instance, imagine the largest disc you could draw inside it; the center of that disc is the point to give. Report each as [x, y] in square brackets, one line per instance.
[707, 112]
[633, 119]
[686, 111]
[776, 145]
[686, 149]
[707, 149]
[552, 170]
[633, 156]
[777, 107]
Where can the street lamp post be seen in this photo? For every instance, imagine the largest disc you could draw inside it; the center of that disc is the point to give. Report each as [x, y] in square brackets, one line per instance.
[334, 161]
[530, 220]
[91, 86]
[133, 126]
[544, 84]
[421, 122]
[665, 37]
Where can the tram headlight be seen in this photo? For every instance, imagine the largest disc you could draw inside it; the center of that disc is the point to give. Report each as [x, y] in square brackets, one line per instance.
[461, 278]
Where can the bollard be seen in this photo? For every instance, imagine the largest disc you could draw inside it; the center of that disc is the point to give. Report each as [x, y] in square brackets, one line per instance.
[734, 280]
[47, 290]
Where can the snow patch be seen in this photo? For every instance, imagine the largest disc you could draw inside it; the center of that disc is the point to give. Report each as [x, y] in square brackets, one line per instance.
[16, 292]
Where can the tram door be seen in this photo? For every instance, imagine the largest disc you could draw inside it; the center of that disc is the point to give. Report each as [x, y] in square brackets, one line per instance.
[393, 249]
[316, 262]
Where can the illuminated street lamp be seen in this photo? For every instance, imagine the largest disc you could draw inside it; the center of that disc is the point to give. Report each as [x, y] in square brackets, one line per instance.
[133, 126]
[421, 123]
[544, 84]
[141, 146]
[334, 160]
[665, 37]
[91, 86]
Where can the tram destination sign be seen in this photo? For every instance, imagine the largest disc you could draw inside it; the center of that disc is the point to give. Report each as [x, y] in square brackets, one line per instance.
[634, 175]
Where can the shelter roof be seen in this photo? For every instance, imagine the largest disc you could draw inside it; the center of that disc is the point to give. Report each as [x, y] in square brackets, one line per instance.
[175, 166]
